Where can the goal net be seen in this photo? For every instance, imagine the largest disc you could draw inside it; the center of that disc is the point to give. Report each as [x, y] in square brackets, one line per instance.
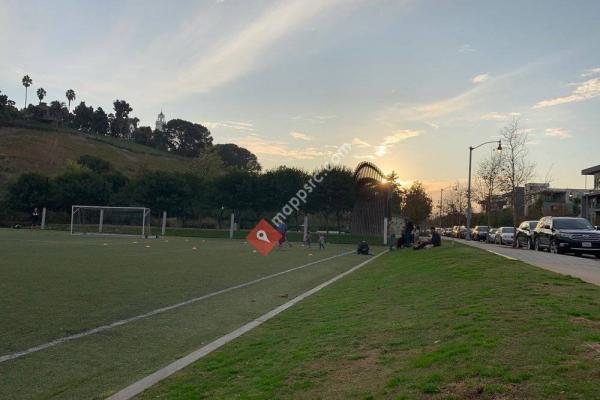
[98, 220]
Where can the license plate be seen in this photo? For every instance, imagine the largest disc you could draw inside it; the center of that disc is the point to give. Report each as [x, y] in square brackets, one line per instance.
[586, 244]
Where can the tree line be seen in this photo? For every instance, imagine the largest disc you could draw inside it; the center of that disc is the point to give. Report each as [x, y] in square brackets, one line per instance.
[189, 197]
[178, 136]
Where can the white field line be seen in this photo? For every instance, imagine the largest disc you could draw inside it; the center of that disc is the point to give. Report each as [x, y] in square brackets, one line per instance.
[152, 379]
[503, 255]
[115, 324]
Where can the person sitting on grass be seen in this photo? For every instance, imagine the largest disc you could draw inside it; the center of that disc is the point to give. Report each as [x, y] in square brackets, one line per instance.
[435, 241]
[363, 248]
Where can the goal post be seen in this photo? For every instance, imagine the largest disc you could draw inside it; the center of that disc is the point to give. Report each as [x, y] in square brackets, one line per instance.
[105, 220]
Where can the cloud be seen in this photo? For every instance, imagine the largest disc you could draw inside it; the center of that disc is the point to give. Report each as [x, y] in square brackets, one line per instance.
[480, 78]
[496, 116]
[301, 136]
[559, 133]
[590, 72]
[247, 49]
[314, 119]
[235, 125]
[397, 137]
[262, 146]
[584, 91]
[356, 142]
[433, 125]
[466, 48]
[398, 113]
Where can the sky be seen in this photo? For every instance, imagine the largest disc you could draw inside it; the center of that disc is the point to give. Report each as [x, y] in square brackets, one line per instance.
[410, 84]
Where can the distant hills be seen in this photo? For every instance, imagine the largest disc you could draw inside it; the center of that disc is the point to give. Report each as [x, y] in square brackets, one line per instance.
[51, 151]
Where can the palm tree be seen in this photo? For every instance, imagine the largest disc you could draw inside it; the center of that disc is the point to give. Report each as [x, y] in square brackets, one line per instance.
[41, 93]
[70, 96]
[27, 81]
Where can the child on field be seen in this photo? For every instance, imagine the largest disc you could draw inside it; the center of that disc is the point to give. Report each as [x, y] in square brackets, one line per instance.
[307, 240]
[321, 241]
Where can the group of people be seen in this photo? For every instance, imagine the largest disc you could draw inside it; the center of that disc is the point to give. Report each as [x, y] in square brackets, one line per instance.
[411, 236]
[283, 230]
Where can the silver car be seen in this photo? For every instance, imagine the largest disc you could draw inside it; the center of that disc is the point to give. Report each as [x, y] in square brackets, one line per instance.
[504, 235]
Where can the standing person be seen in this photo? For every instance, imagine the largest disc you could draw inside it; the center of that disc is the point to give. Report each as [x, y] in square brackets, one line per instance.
[281, 229]
[408, 230]
[321, 241]
[35, 218]
[307, 239]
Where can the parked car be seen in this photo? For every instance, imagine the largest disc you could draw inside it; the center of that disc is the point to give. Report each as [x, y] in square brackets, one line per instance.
[480, 233]
[567, 234]
[525, 234]
[491, 236]
[504, 235]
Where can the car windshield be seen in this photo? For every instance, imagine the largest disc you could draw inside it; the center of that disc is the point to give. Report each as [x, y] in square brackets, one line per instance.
[575, 223]
[508, 230]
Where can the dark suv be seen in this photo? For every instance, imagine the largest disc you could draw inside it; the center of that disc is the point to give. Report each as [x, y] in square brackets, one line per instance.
[525, 234]
[480, 233]
[564, 234]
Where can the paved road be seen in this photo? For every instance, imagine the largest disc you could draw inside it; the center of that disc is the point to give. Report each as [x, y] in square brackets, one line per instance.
[584, 268]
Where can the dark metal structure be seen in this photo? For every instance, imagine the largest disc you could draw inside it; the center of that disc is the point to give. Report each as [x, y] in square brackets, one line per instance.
[371, 199]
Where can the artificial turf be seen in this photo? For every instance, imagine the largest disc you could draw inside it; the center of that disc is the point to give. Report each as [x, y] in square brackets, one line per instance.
[54, 285]
[447, 323]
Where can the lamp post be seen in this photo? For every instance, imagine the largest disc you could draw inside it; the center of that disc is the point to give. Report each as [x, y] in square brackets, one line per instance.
[441, 205]
[471, 148]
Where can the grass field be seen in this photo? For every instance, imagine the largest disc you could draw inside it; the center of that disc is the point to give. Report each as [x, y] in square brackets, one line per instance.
[54, 285]
[449, 323]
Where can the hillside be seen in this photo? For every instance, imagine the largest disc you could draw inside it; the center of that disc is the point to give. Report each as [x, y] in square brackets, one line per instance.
[50, 152]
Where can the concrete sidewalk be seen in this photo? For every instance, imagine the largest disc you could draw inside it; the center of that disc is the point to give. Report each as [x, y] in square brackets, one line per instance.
[586, 269]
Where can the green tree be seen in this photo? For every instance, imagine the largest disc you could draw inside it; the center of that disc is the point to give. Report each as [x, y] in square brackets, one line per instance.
[29, 191]
[177, 194]
[57, 111]
[41, 93]
[119, 126]
[81, 186]
[189, 139]
[70, 94]
[161, 140]
[100, 123]
[27, 81]
[237, 191]
[143, 135]
[417, 204]
[83, 117]
[277, 186]
[334, 195]
[238, 157]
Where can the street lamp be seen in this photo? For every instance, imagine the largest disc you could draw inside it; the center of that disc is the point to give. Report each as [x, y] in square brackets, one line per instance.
[471, 148]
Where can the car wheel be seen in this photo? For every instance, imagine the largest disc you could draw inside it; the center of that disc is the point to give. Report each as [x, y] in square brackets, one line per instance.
[597, 255]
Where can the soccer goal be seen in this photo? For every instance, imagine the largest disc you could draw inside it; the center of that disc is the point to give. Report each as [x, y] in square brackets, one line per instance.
[99, 220]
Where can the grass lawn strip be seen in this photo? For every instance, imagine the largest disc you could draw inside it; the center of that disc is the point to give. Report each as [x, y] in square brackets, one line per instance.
[448, 323]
